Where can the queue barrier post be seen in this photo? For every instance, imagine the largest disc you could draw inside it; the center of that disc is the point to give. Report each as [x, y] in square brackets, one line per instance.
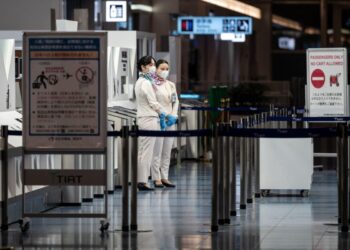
[243, 183]
[344, 175]
[134, 156]
[215, 175]
[4, 180]
[228, 174]
[125, 179]
[233, 152]
[221, 166]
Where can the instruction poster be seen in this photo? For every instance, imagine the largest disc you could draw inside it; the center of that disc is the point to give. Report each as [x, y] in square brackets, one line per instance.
[327, 82]
[65, 91]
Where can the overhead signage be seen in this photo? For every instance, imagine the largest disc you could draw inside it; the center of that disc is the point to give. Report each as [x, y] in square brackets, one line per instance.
[327, 82]
[116, 11]
[286, 43]
[207, 25]
[65, 91]
[233, 37]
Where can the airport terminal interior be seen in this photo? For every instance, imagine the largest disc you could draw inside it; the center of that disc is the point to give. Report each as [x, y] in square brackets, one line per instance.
[174, 124]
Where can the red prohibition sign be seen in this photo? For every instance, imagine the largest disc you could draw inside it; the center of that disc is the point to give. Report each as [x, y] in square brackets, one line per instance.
[318, 78]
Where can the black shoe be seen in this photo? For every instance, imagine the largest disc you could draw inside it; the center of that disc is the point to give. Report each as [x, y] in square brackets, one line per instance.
[158, 185]
[144, 187]
[168, 184]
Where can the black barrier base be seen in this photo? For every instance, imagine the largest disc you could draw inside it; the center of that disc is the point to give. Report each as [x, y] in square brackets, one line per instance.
[87, 200]
[214, 228]
[221, 222]
[98, 196]
[249, 200]
[110, 191]
[4, 227]
[257, 195]
[243, 206]
[233, 213]
[125, 228]
[133, 227]
[345, 228]
[339, 221]
[227, 221]
[117, 187]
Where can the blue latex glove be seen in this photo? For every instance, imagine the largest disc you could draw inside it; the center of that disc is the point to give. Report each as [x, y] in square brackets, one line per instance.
[162, 121]
[171, 120]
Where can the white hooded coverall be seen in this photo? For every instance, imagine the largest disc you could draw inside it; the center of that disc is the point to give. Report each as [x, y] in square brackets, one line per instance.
[168, 99]
[148, 110]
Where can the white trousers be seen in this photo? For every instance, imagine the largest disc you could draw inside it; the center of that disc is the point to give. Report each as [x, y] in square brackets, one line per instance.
[146, 147]
[161, 156]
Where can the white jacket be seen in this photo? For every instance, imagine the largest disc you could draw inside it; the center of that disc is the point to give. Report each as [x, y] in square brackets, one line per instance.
[167, 97]
[147, 104]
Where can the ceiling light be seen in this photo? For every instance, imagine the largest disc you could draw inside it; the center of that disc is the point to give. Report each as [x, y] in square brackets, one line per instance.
[312, 31]
[237, 6]
[142, 7]
[285, 22]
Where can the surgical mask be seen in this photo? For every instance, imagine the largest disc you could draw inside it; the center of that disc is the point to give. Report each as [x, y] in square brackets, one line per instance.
[152, 69]
[164, 74]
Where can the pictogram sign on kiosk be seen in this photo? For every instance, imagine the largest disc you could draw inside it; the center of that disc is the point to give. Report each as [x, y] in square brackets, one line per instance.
[64, 91]
[327, 83]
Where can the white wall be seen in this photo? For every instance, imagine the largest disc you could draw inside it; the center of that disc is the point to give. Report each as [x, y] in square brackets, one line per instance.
[28, 14]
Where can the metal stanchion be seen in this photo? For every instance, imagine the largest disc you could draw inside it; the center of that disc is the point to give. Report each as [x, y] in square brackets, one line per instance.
[215, 175]
[227, 120]
[179, 121]
[257, 160]
[344, 176]
[340, 204]
[228, 175]
[4, 180]
[134, 155]
[125, 178]
[222, 111]
[249, 165]
[221, 162]
[232, 141]
[243, 184]
[206, 139]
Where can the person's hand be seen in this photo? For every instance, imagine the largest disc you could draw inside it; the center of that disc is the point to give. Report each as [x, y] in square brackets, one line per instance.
[171, 120]
[162, 121]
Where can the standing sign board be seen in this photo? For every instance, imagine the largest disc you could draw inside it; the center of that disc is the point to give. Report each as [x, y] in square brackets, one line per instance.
[65, 91]
[327, 82]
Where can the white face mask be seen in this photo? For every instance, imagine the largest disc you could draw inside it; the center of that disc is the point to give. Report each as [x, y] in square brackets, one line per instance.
[152, 69]
[164, 74]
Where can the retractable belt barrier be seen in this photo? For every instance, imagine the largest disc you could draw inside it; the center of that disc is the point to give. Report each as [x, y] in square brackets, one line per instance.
[225, 137]
[307, 119]
[232, 132]
[242, 132]
[241, 109]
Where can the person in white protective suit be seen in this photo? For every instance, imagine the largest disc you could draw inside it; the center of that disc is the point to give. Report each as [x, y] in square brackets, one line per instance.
[167, 97]
[149, 112]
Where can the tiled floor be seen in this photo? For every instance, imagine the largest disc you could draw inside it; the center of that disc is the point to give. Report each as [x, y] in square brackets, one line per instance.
[180, 219]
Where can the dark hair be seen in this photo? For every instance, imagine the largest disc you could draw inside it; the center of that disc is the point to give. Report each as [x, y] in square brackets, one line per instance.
[144, 61]
[161, 61]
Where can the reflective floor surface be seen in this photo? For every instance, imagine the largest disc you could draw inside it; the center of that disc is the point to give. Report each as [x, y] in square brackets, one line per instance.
[180, 219]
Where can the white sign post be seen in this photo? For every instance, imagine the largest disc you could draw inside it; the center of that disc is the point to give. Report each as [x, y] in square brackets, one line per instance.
[65, 92]
[327, 82]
